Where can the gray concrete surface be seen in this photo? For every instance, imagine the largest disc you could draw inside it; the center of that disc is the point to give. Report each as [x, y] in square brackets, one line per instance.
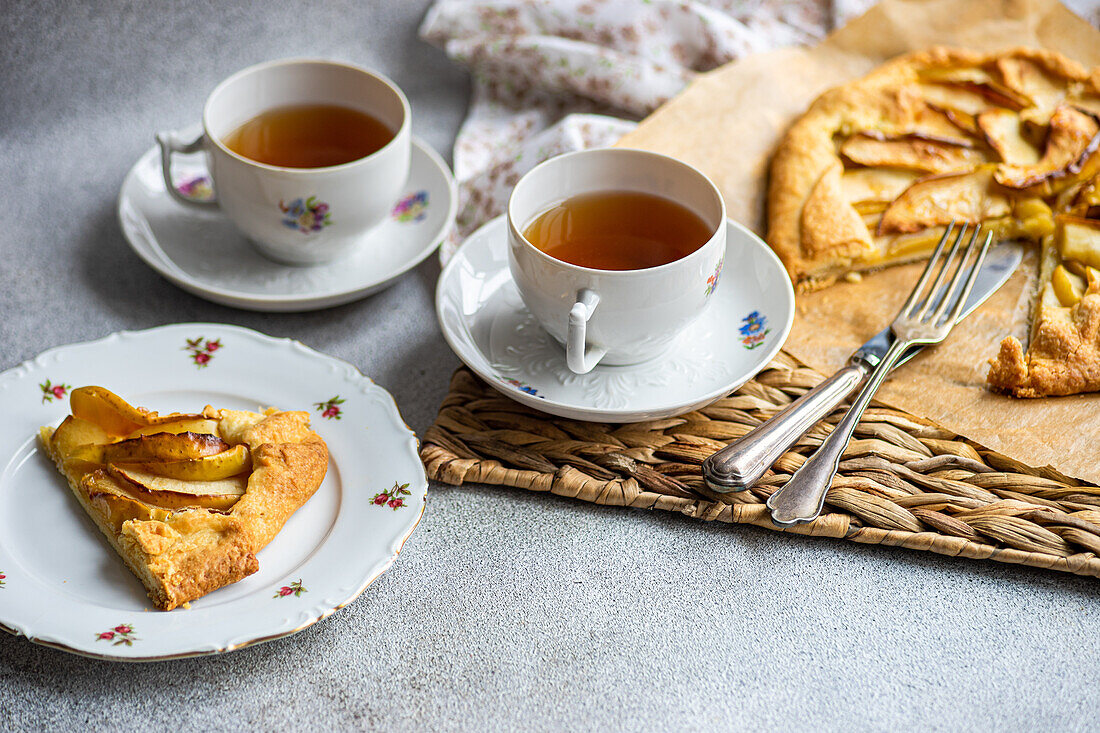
[506, 610]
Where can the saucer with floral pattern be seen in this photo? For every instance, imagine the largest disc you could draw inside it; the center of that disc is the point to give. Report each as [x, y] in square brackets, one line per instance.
[485, 322]
[203, 253]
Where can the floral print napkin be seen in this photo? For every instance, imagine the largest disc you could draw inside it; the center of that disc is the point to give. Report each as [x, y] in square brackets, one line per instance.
[550, 76]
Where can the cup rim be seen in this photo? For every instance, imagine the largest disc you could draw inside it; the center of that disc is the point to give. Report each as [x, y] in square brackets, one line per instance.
[715, 234]
[406, 114]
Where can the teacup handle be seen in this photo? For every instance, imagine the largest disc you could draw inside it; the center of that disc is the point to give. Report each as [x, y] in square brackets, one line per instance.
[169, 144]
[579, 356]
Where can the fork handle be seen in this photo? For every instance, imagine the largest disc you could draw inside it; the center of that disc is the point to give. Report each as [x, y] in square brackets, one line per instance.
[740, 464]
[802, 497]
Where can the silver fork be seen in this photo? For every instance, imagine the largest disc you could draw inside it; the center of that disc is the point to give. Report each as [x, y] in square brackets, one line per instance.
[803, 496]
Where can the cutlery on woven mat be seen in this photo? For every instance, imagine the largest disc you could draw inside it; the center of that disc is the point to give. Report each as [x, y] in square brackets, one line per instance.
[922, 320]
[738, 466]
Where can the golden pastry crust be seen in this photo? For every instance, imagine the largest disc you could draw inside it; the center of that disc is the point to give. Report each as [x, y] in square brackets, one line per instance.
[1063, 357]
[873, 171]
[289, 462]
[181, 554]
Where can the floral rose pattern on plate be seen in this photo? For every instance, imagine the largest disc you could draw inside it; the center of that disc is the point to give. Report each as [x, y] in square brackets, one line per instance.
[121, 634]
[330, 408]
[712, 281]
[198, 188]
[202, 350]
[413, 207]
[2, 577]
[393, 498]
[51, 392]
[305, 215]
[754, 330]
[294, 589]
[521, 386]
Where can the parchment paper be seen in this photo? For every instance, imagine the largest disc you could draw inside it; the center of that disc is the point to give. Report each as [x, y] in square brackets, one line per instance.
[728, 122]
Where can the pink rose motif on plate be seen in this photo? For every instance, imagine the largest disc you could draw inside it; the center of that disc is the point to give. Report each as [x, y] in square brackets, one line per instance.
[330, 409]
[123, 634]
[202, 350]
[2, 577]
[393, 498]
[294, 589]
[305, 215]
[412, 208]
[51, 392]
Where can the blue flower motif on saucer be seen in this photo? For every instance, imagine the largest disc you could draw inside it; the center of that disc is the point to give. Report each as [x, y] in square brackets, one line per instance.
[754, 329]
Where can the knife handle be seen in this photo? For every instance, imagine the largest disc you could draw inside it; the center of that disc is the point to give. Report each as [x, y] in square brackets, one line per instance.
[741, 463]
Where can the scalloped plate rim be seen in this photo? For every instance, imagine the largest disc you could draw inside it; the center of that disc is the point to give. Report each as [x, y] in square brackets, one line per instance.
[374, 567]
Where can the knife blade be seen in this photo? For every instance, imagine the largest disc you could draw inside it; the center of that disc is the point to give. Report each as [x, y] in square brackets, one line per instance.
[999, 265]
[740, 464]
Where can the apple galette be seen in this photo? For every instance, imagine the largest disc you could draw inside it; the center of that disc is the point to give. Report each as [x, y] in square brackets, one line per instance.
[187, 500]
[873, 172]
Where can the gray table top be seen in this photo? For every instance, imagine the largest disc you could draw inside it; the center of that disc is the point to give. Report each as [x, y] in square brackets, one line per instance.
[505, 608]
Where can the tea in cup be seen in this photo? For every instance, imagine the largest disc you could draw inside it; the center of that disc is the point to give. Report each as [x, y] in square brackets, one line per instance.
[615, 251]
[305, 156]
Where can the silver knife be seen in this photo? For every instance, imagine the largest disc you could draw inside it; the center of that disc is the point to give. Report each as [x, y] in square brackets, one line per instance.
[741, 464]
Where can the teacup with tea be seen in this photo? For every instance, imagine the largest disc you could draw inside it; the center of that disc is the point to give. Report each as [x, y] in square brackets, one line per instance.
[306, 156]
[615, 251]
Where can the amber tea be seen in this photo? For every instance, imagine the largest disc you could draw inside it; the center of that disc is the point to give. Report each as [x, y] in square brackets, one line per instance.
[308, 136]
[618, 230]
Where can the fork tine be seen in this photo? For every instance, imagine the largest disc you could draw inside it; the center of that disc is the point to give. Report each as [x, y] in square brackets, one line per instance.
[948, 299]
[912, 301]
[934, 292]
[970, 280]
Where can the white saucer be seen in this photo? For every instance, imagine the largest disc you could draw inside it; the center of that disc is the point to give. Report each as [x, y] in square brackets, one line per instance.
[203, 252]
[487, 325]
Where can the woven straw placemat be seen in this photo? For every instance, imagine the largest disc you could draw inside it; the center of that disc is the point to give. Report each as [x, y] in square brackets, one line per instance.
[903, 481]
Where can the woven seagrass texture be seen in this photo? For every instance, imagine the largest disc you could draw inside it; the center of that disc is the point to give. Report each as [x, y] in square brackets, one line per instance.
[903, 481]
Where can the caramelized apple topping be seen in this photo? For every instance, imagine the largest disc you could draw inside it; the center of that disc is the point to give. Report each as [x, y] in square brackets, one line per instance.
[913, 151]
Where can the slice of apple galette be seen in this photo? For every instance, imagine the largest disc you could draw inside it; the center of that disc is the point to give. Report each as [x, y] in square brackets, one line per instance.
[187, 500]
[876, 169]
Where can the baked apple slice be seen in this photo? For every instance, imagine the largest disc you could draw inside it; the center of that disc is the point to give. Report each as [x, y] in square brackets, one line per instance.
[864, 186]
[1003, 130]
[1080, 240]
[155, 447]
[937, 200]
[913, 151]
[171, 493]
[1072, 141]
[971, 89]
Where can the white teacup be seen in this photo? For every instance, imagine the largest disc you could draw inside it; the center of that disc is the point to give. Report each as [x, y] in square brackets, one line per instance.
[299, 215]
[614, 317]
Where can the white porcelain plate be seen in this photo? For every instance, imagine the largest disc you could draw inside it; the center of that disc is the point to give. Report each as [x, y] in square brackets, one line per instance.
[203, 253]
[62, 585]
[487, 325]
